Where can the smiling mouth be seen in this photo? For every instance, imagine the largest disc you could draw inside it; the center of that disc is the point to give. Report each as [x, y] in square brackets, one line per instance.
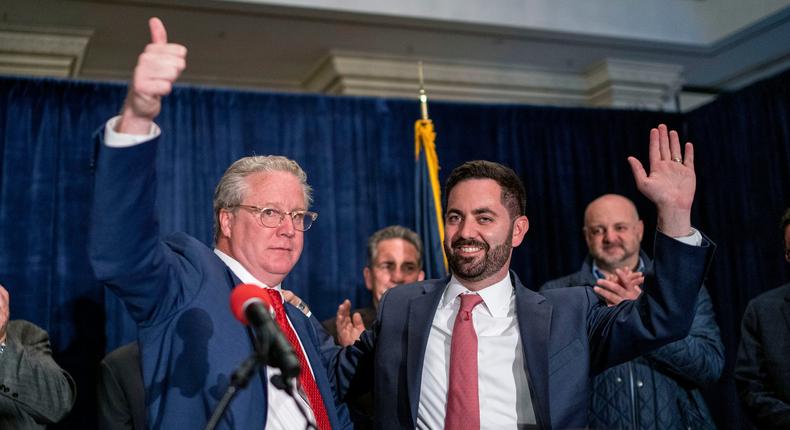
[468, 251]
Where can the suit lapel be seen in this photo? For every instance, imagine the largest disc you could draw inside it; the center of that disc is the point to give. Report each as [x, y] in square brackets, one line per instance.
[422, 309]
[534, 324]
[232, 278]
[306, 333]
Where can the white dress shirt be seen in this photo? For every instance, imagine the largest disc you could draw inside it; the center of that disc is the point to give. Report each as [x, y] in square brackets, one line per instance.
[282, 412]
[502, 380]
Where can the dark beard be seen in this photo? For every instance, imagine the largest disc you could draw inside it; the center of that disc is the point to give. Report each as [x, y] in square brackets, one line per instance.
[465, 268]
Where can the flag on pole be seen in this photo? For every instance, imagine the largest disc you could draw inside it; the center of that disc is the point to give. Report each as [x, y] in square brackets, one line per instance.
[428, 208]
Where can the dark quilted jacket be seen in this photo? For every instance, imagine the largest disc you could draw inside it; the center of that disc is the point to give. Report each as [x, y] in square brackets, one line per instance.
[659, 390]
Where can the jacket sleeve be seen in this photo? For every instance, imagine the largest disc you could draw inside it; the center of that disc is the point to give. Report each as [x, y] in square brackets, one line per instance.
[125, 248]
[752, 380]
[328, 351]
[663, 313]
[699, 357]
[353, 366]
[30, 380]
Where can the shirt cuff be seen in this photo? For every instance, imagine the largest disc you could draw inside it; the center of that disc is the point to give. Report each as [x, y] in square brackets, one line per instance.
[694, 239]
[114, 139]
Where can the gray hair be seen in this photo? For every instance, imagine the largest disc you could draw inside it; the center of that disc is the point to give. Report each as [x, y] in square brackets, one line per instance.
[232, 188]
[393, 232]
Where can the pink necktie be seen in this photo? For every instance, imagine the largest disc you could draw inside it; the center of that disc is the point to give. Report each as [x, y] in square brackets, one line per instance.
[463, 405]
[306, 379]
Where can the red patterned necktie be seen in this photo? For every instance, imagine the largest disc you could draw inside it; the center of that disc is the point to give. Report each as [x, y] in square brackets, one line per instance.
[463, 404]
[306, 380]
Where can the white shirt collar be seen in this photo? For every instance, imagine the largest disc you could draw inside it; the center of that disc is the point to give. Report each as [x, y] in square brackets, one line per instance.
[496, 297]
[243, 274]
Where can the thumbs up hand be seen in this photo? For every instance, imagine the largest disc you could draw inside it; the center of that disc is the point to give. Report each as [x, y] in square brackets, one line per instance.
[157, 69]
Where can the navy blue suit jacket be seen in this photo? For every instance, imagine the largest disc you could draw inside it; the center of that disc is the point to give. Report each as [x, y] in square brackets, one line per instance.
[567, 336]
[177, 290]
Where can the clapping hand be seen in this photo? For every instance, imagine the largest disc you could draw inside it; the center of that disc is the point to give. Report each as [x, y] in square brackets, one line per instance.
[623, 285]
[348, 328]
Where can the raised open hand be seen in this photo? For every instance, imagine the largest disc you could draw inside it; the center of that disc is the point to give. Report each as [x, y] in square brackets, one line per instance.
[158, 67]
[671, 182]
[348, 328]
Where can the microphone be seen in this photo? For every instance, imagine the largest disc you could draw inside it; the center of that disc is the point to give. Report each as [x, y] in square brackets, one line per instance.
[252, 306]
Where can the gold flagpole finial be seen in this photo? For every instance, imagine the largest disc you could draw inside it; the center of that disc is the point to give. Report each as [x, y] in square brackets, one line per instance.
[423, 95]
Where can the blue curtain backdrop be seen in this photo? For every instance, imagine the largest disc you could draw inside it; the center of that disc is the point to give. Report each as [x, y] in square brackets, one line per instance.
[359, 155]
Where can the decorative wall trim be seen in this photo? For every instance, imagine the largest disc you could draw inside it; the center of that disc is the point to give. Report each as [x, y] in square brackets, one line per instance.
[634, 84]
[42, 51]
[610, 82]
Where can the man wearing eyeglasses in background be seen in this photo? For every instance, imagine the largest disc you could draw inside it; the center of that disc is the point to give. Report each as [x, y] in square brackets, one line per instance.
[177, 288]
[762, 368]
[394, 258]
[659, 389]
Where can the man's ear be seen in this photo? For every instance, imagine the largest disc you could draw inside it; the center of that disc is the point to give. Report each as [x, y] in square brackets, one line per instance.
[587, 237]
[520, 228]
[421, 276]
[225, 222]
[368, 275]
[640, 230]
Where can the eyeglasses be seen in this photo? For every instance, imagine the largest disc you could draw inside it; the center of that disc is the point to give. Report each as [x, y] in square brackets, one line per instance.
[407, 269]
[272, 218]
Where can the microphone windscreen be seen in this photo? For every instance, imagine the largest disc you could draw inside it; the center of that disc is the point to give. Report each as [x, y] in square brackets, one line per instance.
[243, 295]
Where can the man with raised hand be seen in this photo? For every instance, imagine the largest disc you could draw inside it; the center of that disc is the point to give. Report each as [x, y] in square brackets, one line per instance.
[480, 350]
[176, 288]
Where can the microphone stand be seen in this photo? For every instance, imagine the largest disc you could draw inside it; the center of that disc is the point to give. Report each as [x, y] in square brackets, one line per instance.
[280, 382]
[241, 376]
[239, 380]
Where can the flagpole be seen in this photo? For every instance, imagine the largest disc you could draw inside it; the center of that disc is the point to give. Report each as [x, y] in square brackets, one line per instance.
[429, 203]
[423, 94]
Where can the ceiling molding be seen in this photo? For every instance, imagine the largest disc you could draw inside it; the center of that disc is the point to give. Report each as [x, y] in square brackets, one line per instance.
[610, 82]
[634, 84]
[42, 51]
